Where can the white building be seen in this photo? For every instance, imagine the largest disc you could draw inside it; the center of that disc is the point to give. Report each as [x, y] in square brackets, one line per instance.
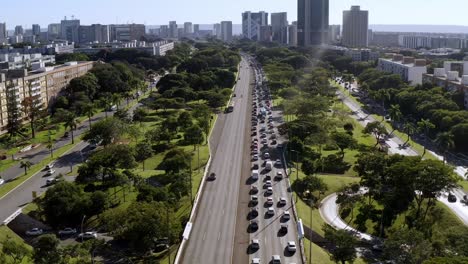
[362, 54]
[411, 70]
[14, 61]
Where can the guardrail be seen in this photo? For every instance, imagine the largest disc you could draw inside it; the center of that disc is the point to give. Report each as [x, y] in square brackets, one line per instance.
[12, 216]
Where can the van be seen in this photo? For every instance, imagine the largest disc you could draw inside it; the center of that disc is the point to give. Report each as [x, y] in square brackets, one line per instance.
[269, 165]
[255, 174]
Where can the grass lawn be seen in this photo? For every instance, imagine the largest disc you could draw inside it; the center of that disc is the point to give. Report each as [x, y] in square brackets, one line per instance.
[319, 255]
[464, 184]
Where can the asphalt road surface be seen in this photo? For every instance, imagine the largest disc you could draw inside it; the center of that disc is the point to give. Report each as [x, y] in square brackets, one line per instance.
[212, 236]
[271, 240]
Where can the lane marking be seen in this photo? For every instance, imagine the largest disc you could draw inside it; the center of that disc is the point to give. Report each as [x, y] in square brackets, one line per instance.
[219, 235]
[204, 236]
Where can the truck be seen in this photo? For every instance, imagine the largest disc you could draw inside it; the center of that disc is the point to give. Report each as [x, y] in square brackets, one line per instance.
[269, 165]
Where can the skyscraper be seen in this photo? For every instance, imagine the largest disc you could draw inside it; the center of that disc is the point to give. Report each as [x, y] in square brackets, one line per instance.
[312, 23]
[173, 31]
[19, 30]
[252, 22]
[69, 30]
[196, 28]
[164, 31]
[53, 31]
[36, 29]
[226, 31]
[355, 27]
[334, 33]
[3, 32]
[217, 30]
[95, 32]
[292, 31]
[188, 28]
[279, 27]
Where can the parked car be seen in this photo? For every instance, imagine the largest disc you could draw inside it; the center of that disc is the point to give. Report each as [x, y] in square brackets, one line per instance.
[49, 166]
[286, 215]
[283, 228]
[67, 231]
[88, 235]
[34, 232]
[452, 198]
[282, 201]
[51, 181]
[255, 244]
[292, 246]
[2, 181]
[276, 259]
[50, 172]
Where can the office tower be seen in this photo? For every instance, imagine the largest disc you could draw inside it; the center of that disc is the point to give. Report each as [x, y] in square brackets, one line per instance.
[127, 32]
[19, 30]
[265, 33]
[312, 23]
[36, 29]
[69, 30]
[196, 28]
[94, 33]
[292, 31]
[226, 31]
[217, 30]
[3, 32]
[279, 27]
[252, 22]
[164, 31]
[334, 33]
[53, 31]
[173, 32]
[188, 28]
[355, 27]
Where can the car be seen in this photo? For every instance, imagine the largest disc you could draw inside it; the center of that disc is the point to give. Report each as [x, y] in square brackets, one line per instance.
[253, 189]
[276, 259]
[286, 215]
[269, 191]
[51, 181]
[268, 183]
[278, 163]
[2, 181]
[253, 224]
[234, 95]
[270, 211]
[263, 135]
[67, 231]
[34, 232]
[452, 198]
[50, 172]
[282, 201]
[66, 134]
[212, 176]
[255, 157]
[269, 201]
[273, 142]
[255, 244]
[279, 175]
[266, 155]
[254, 199]
[88, 235]
[255, 166]
[283, 228]
[49, 166]
[264, 141]
[291, 246]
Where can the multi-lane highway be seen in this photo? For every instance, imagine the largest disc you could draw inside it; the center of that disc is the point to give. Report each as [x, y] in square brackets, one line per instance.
[212, 236]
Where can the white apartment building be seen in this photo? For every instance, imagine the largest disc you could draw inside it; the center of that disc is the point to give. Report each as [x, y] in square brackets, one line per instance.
[15, 61]
[362, 54]
[411, 70]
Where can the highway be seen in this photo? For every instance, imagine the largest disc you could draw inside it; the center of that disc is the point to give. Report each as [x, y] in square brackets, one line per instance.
[214, 227]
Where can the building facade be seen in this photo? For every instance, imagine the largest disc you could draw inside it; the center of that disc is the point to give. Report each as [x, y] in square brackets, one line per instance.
[42, 86]
[226, 31]
[94, 33]
[334, 33]
[410, 70]
[3, 32]
[355, 27]
[292, 34]
[251, 24]
[173, 31]
[19, 30]
[312, 22]
[279, 27]
[188, 28]
[362, 54]
[127, 32]
[70, 30]
[53, 31]
[36, 30]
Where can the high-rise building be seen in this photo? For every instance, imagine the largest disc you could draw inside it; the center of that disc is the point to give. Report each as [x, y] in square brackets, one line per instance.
[173, 32]
[53, 31]
[19, 30]
[69, 30]
[355, 26]
[226, 31]
[217, 30]
[36, 29]
[188, 28]
[252, 22]
[279, 27]
[94, 33]
[334, 33]
[265, 33]
[196, 28]
[312, 22]
[3, 32]
[292, 31]
[127, 32]
[164, 31]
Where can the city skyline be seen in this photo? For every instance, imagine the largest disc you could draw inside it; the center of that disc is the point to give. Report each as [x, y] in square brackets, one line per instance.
[207, 12]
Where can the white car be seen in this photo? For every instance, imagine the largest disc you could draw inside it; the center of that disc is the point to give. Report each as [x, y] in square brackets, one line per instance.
[269, 201]
[2, 181]
[88, 235]
[51, 181]
[34, 232]
[271, 211]
[269, 191]
[67, 231]
[50, 172]
[256, 261]
[255, 244]
[286, 215]
[49, 166]
[255, 157]
[292, 246]
[278, 163]
[279, 175]
[276, 259]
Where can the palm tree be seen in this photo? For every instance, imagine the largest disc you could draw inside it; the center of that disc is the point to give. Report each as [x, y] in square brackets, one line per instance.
[25, 165]
[444, 142]
[382, 95]
[116, 99]
[424, 125]
[409, 129]
[106, 102]
[70, 122]
[50, 147]
[395, 115]
[89, 109]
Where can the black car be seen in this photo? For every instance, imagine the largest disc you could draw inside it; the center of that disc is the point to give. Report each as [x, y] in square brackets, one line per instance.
[212, 176]
[452, 198]
[284, 229]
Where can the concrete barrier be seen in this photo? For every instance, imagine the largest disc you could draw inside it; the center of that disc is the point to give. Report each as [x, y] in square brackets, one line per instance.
[12, 216]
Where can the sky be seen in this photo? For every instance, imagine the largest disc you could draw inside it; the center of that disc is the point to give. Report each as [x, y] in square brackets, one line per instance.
[156, 12]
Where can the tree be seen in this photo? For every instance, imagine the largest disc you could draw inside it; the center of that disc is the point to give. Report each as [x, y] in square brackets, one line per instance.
[343, 140]
[409, 129]
[377, 129]
[139, 114]
[89, 110]
[106, 102]
[25, 165]
[46, 250]
[105, 131]
[310, 184]
[444, 142]
[176, 160]
[143, 151]
[69, 121]
[193, 135]
[407, 246]
[116, 98]
[185, 120]
[87, 83]
[16, 251]
[308, 166]
[31, 110]
[424, 126]
[395, 115]
[344, 242]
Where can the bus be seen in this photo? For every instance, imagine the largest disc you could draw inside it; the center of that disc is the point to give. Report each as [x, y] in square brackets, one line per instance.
[230, 108]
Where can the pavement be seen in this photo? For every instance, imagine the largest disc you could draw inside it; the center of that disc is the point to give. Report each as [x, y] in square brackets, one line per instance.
[272, 242]
[212, 238]
[329, 208]
[23, 194]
